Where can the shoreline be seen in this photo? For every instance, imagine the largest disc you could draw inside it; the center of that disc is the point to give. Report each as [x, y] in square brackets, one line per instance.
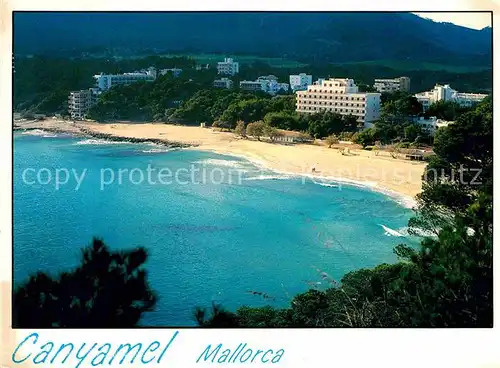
[374, 173]
[107, 137]
[402, 199]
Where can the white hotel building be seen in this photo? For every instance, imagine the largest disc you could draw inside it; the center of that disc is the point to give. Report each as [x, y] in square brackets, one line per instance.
[300, 82]
[433, 124]
[341, 96]
[80, 102]
[392, 85]
[446, 93]
[223, 83]
[106, 81]
[228, 67]
[268, 84]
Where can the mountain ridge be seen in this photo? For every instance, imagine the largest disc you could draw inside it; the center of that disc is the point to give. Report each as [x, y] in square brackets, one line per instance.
[311, 37]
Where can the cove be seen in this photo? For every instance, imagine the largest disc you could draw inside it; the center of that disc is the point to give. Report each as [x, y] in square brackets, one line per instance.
[255, 243]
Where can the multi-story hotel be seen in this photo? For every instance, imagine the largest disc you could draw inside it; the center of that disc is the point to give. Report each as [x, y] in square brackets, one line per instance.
[80, 102]
[106, 81]
[446, 93]
[341, 96]
[300, 82]
[223, 83]
[228, 67]
[392, 85]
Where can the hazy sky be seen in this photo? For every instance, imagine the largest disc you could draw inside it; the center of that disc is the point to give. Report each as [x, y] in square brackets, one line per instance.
[471, 20]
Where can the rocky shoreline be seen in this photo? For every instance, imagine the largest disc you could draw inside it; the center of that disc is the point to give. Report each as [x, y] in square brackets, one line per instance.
[84, 132]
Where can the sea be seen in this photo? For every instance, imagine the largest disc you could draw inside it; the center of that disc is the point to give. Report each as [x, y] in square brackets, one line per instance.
[218, 229]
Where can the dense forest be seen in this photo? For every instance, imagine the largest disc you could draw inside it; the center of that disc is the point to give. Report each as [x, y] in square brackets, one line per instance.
[310, 37]
[447, 281]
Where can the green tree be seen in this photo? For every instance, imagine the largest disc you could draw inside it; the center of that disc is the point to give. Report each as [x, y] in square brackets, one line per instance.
[367, 137]
[463, 165]
[412, 131]
[222, 125]
[283, 120]
[325, 123]
[271, 132]
[108, 289]
[256, 129]
[240, 129]
[331, 140]
[446, 110]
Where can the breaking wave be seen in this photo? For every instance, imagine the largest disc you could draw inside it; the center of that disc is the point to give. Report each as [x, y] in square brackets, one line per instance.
[391, 232]
[96, 142]
[225, 163]
[268, 177]
[326, 184]
[39, 133]
[157, 150]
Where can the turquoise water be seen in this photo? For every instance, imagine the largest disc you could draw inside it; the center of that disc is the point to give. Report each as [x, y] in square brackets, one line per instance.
[207, 242]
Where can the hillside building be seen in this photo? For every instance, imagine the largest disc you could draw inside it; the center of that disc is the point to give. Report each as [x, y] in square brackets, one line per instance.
[300, 82]
[341, 96]
[107, 81]
[251, 85]
[432, 125]
[80, 102]
[392, 85]
[223, 83]
[228, 67]
[268, 84]
[446, 93]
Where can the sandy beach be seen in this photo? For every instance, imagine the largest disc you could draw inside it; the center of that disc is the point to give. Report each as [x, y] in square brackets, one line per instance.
[383, 173]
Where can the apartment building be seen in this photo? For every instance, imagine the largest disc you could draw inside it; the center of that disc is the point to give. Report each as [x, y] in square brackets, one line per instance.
[107, 81]
[432, 125]
[251, 85]
[342, 96]
[300, 82]
[392, 85]
[228, 67]
[271, 85]
[223, 83]
[465, 99]
[268, 84]
[80, 102]
[446, 93]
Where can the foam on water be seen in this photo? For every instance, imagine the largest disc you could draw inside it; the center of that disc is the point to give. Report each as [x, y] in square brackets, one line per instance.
[390, 232]
[267, 177]
[96, 142]
[40, 133]
[158, 150]
[225, 163]
[329, 185]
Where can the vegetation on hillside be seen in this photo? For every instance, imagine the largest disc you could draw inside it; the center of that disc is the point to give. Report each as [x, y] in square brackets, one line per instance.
[337, 37]
[42, 83]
